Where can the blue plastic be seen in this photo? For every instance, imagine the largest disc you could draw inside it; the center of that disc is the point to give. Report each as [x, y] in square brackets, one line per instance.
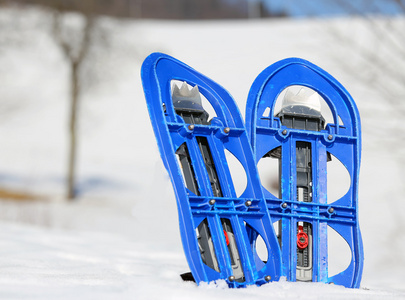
[248, 213]
[343, 140]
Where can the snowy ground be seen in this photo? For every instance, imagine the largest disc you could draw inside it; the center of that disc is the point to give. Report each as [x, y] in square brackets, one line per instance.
[120, 239]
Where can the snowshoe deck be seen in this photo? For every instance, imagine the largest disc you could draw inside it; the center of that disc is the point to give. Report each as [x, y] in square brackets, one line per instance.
[303, 143]
[219, 228]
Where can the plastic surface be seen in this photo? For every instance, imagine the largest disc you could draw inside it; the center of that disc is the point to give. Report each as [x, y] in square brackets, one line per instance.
[342, 139]
[229, 217]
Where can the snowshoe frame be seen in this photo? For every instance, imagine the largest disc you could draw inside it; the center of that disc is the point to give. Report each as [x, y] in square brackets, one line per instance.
[341, 140]
[231, 224]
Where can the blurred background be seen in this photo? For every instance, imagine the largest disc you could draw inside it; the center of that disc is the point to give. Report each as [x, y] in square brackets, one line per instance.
[77, 151]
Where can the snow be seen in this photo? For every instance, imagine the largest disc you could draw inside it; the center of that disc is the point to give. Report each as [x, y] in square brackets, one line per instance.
[120, 239]
[60, 264]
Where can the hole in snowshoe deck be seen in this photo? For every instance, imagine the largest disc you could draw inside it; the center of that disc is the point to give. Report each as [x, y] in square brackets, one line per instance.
[258, 245]
[261, 249]
[277, 229]
[266, 113]
[184, 159]
[339, 253]
[269, 171]
[206, 245]
[338, 179]
[341, 122]
[238, 173]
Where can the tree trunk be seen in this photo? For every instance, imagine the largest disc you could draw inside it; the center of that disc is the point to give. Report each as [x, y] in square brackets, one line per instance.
[71, 192]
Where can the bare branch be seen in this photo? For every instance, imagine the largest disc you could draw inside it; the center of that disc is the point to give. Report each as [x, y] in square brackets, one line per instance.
[57, 34]
[86, 40]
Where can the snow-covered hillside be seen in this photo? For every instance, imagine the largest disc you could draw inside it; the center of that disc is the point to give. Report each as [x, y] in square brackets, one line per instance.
[120, 239]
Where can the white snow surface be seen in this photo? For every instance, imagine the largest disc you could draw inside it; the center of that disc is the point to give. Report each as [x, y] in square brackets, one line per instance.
[120, 238]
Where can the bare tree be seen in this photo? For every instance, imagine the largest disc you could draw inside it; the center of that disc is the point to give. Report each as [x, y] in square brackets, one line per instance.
[379, 54]
[74, 44]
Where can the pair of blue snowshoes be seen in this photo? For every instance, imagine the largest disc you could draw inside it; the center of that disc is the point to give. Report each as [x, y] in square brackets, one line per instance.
[252, 236]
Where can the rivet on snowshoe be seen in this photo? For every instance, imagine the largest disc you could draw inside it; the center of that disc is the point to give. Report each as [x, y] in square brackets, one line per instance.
[248, 203]
[284, 132]
[284, 205]
[330, 137]
[212, 202]
[231, 278]
[331, 210]
[191, 127]
[267, 278]
[222, 133]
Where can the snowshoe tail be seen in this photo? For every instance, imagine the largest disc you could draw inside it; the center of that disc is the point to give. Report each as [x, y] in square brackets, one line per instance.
[303, 142]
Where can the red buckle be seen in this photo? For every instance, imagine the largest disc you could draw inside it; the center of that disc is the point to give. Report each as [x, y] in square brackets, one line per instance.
[302, 238]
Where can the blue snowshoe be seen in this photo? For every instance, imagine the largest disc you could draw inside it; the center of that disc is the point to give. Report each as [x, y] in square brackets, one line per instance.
[295, 132]
[219, 229]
